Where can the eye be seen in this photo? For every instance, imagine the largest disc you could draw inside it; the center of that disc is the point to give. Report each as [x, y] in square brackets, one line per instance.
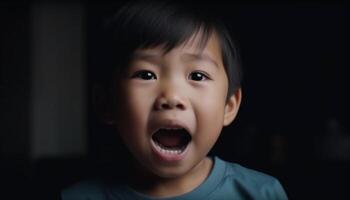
[144, 75]
[198, 76]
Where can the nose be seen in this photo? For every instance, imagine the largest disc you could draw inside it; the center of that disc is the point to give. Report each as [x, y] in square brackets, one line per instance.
[170, 98]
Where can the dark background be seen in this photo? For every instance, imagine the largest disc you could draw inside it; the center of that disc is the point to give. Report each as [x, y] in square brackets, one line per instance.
[293, 123]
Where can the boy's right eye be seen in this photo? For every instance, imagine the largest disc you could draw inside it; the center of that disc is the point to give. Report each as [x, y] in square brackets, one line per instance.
[144, 75]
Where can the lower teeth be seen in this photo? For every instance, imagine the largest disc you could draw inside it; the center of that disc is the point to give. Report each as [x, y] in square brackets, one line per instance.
[163, 149]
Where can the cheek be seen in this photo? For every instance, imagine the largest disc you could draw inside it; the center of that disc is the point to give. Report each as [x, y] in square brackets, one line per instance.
[132, 120]
[212, 102]
[210, 115]
[133, 113]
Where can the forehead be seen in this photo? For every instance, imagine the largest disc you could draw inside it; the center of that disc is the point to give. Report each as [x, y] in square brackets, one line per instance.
[196, 47]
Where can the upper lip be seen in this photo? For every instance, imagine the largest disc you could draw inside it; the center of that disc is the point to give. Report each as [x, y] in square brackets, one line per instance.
[171, 124]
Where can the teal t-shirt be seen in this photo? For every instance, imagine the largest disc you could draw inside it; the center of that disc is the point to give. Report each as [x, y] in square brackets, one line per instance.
[226, 181]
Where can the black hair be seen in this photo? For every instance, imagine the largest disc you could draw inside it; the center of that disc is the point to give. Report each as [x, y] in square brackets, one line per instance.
[142, 24]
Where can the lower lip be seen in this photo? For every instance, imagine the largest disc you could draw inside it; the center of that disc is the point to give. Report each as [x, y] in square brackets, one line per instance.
[167, 157]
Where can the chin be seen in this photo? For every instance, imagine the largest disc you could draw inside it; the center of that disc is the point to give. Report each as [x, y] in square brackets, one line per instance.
[170, 171]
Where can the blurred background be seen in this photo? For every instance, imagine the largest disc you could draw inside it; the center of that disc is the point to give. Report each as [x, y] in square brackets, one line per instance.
[293, 123]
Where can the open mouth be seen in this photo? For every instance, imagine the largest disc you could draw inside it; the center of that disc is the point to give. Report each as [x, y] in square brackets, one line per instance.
[171, 141]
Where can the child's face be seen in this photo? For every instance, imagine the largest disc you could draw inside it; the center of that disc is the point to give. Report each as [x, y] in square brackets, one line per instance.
[173, 106]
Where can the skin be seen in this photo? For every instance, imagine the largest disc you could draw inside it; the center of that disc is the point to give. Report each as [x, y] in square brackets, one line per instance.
[186, 86]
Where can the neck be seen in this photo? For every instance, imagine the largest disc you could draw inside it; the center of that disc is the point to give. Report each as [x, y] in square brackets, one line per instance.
[155, 186]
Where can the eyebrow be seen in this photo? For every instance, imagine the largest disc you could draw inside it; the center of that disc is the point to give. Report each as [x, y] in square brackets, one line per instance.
[148, 56]
[155, 57]
[201, 57]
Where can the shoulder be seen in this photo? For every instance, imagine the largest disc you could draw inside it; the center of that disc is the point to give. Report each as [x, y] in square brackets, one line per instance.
[253, 183]
[237, 171]
[83, 190]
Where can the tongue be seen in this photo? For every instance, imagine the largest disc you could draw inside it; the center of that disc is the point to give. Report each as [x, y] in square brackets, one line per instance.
[168, 138]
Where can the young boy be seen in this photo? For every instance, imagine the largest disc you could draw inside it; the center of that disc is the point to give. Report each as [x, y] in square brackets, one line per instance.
[175, 83]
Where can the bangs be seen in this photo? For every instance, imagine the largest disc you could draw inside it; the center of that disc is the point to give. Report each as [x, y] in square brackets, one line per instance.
[167, 25]
[158, 25]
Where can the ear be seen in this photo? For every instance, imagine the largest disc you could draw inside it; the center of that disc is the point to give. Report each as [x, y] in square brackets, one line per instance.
[232, 107]
[102, 104]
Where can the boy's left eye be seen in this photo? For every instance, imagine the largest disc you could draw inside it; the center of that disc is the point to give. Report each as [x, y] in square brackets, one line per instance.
[198, 76]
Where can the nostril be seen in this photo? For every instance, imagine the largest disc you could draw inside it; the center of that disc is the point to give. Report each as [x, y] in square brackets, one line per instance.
[180, 106]
[165, 106]
[170, 103]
